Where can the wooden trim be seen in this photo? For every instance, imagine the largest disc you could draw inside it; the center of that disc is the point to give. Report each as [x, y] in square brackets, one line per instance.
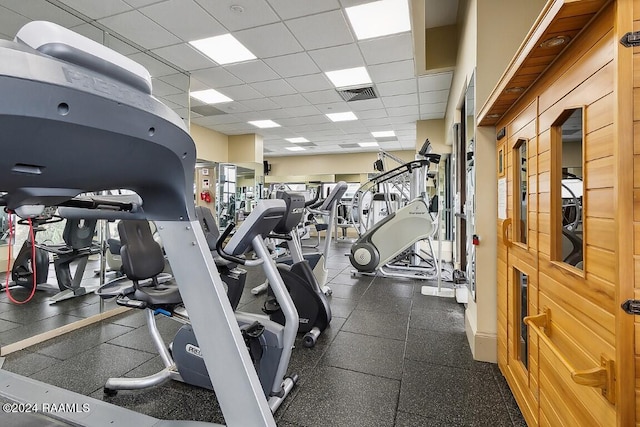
[623, 135]
[37, 339]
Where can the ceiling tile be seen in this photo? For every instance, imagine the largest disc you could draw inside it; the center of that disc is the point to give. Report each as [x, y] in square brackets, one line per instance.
[435, 82]
[433, 108]
[11, 22]
[366, 104]
[269, 40]
[274, 88]
[322, 96]
[216, 120]
[232, 107]
[297, 64]
[154, 66]
[290, 100]
[36, 10]
[185, 19]
[403, 111]
[241, 93]
[98, 9]
[178, 80]
[338, 57]
[309, 120]
[123, 47]
[181, 99]
[392, 71]
[216, 77]
[399, 87]
[379, 123]
[162, 88]
[310, 83]
[372, 114]
[302, 111]
[252, 71]
[141, 3]
[288, 9]
[254, 13]
[322, 30]
[184, 56]
[388, 49]
[431, 116]
[89, 31]
[261, 104]
[400, 100]
[139, 29]
[434, 97]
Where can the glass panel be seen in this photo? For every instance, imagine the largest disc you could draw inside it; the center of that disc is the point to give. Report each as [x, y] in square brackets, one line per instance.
[521, 198]
[522, 311]
[569, 194]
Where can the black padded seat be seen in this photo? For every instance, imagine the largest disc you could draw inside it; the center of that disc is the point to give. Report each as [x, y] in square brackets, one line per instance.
[142, 259]
[166, 293]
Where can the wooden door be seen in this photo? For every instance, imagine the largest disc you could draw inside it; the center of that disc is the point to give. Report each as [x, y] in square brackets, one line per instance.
[578, 344]
[518, 260]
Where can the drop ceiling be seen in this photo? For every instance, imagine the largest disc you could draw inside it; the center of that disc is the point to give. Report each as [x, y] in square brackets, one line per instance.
[295, 42]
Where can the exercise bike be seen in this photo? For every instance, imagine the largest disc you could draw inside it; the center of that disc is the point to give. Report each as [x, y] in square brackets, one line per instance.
[78, 246]
[313, 307]
[269, 343]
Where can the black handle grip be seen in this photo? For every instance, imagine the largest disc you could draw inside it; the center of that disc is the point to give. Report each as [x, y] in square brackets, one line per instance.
[315, 199]
[227, 231]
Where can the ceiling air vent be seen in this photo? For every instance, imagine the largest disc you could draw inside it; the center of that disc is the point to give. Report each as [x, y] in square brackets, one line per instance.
[357, 93]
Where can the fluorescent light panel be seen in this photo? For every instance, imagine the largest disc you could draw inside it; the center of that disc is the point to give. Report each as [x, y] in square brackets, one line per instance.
[295, 148]
[379, 18]
[342, 117]
[297, 140]
[349, 77]
[383, 134]
[210, 96]
[224, 49]
[264, 124]
[368, 144]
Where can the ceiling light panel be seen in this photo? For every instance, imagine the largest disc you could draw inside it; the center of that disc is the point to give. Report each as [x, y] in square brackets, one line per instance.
[297, 140]
[264, 124]
[379, 18]
[368, 144]
[224, 49]
[210, 96]
[295, 148]
[349, 77]
[342, 117]
[383, 134]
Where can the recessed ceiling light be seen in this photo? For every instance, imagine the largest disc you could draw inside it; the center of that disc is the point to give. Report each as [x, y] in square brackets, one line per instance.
[264, 124]
[297, 140]
[342, 117]
[349, 77]
[210, 96]
[555, 42]
[295, 148]
[383, 134]
[224, 49]
[514, 89]
[379, 18]
[368, 144]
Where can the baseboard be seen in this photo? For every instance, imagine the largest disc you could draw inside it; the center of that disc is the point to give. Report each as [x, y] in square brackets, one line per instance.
[484, 347]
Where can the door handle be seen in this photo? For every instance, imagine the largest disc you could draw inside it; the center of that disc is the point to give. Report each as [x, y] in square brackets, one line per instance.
[506, 223]
[602, 377]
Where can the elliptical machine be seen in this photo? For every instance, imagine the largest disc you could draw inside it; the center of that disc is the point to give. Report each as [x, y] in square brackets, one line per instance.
[313, 308]
[270, 344]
